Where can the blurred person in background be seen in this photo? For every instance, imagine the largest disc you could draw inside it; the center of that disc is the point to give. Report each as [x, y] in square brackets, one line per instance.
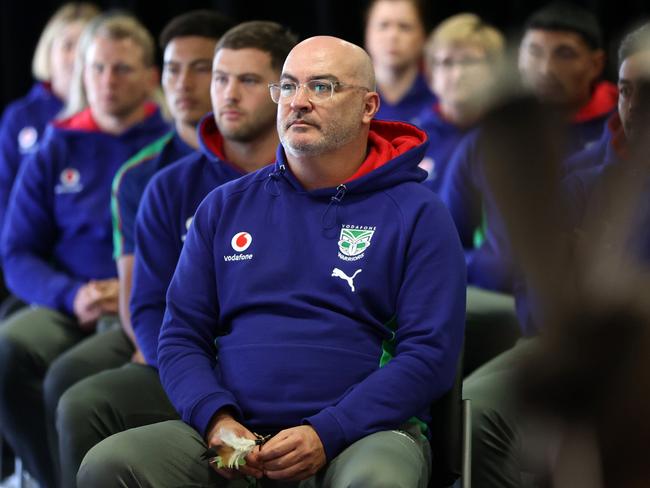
[561, 59]
[464, 55]
[395, 34]
[584, 290]
[23, 121]
[56, 243]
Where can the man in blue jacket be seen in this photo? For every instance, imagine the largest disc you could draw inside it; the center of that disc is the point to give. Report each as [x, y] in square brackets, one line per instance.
[319, 301]
[56, 243]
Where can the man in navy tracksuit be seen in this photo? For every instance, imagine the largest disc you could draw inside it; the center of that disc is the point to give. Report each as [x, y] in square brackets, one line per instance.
[56, 244]
[395, 35]
[319, 301]
[248, 57]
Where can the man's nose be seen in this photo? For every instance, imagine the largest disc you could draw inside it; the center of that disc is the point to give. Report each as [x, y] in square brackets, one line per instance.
[232, 90]
[301, 100]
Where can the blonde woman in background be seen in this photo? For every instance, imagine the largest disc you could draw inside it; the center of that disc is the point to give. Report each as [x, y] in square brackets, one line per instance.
[24, 120]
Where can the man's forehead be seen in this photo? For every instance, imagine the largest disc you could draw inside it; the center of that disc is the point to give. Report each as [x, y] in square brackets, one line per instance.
[551, 39]
[319, 65]
[194, 47]
[107, 47]
[239, 60]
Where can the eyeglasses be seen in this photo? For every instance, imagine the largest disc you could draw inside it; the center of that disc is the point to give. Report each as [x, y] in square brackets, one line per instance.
[317, 90]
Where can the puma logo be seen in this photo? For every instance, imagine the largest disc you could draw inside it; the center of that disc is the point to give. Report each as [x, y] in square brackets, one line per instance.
[350, 279]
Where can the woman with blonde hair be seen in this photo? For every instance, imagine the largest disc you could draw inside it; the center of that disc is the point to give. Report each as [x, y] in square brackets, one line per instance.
[463, 55]
[24, 120]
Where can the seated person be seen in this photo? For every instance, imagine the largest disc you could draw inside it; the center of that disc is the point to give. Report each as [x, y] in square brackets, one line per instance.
[395, 34]
[587, 196]
[334, 339]
[189, 41]
[464, 55]
[56, 242]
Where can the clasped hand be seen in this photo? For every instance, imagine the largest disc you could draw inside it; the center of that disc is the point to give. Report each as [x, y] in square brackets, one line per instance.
[293, 454]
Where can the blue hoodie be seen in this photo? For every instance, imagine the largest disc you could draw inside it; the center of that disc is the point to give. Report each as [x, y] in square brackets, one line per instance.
[165, 214]
[443, 139]
[23, 124]
[341, 307]
[131, 180]
[57, 235]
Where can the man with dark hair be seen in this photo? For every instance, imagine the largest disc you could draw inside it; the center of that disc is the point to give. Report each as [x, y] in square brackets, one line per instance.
[239, 136]
[395, 34]
[188, 44]
[318, 302]
[625, 124]
[561, 59]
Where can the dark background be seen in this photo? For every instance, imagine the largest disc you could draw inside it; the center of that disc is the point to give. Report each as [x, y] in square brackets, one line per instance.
[21, 22]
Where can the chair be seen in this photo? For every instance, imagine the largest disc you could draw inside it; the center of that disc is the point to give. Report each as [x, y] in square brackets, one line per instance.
[451, 437]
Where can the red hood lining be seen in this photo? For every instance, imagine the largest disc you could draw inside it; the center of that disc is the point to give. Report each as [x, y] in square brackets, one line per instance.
[85, 121]
[603, 100]
[211, 137]
[386, 141]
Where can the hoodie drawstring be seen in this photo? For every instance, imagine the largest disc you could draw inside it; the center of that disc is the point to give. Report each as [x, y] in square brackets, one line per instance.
[271, 184]
[334, 201]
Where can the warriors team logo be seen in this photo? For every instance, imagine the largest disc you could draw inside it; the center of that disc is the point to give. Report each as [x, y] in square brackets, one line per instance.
[27, 137]
[69, 181]
[354, 240]
[241, 241]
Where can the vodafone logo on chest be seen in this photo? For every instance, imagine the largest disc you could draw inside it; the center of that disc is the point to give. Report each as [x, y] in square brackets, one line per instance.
[69, 182]
[240, 242]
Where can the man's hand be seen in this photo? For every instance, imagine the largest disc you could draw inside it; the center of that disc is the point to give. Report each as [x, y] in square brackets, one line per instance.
[108, 291]
[224, 420]
[86, 307]
[293, 454]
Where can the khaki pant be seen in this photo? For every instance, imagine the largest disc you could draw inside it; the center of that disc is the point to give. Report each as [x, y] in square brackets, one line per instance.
[43, 353]
[168, 454]
[105, 404]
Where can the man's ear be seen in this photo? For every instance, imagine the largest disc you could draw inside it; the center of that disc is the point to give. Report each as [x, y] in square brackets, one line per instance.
[371, 107]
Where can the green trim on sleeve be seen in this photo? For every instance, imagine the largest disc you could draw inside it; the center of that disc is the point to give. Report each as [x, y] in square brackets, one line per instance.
[145, 154]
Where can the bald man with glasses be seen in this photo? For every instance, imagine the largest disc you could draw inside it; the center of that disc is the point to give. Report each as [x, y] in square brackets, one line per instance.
[317, 308]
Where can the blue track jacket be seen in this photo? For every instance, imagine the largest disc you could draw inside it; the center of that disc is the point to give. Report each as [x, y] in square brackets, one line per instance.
[57, 235]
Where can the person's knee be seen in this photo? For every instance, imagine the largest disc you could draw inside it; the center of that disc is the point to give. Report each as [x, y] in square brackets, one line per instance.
[79, 406]
[15, 357]
[62, 374]
[108, 464]
[383, 460]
